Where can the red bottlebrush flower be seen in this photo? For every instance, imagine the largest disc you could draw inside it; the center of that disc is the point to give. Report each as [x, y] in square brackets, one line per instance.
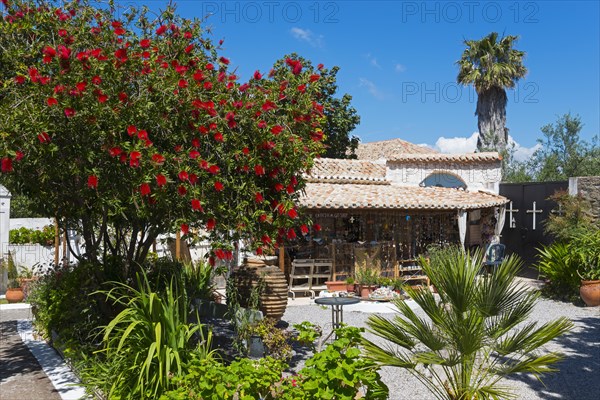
[243, 87]
[145, 43]
[193, 179]
[320, 67]
[224, 60]
[317, 227]
[44, 80]
[134, 159]
[49, 51]
[34, 75]
[185, 229]
[189, 48]
[69, 112]
[259, 170]
[131, 130]
[199, 76]
[161, 180]
[51, 101]
[257, 75]
[96, 80]
[293, 213]
[121, 54]
[258, 197]
[304, 229]
[188, 35]
[210, 224]
[218, 137]
[182, 83]
[81, 86]
[63, 52]
[183, 176]
[266, 239]
[142, 134]
[19, 155]
[7, 164]
[59, 89]
[194, 154]
[276, 130]
[122, 97]
[20, 79]
[208, 85]
[145, 189]
[62, 33]
[182, 191]
[92, 181]
[119, 31]
[259, 251]
[158, 158]
[161, 29]
[301, 88]
[195, 143]
[268, 105]
[221, 76]
[246, 150]
[102, 98]
[115, 151]
[82, 56]
[214, 169]
[219, 186]
[262, 124]
[196, 205]
[116, 24]
[278, 187]
[314, 78]
[294, 181]
[291, 234]
[262, 218]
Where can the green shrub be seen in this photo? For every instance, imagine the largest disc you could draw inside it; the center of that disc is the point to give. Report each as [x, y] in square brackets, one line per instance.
[146, 344]
[556, 265]
[23, 235]
[274, 339]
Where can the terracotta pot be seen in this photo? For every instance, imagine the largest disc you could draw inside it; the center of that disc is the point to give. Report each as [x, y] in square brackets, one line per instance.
[15, 295]
[590, 292]
[350, 287]
[274, 297]
[365, 291]
[336, 286]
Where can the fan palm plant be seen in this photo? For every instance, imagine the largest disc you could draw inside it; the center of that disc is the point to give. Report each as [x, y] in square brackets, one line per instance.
[474, 336]
[491, 66]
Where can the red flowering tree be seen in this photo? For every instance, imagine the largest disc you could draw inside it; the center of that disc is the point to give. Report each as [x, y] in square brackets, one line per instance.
[126, 125]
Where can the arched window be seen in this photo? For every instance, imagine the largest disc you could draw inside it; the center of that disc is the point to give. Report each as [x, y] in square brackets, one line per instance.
[444, 179]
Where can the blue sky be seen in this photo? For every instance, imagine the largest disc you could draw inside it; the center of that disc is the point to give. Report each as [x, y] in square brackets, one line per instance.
[397, 58]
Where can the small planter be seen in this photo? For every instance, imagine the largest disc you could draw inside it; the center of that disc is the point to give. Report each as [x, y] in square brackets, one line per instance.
[350, 287]
[336, 286]
[589, 292]
[256, 347]
[15, 295]
[366, 290]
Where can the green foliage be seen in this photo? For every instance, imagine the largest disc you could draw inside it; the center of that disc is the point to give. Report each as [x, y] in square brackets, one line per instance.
[23, 235]
[274, 339]
[574, 217]
[23, 207]
[563, 154]
[367, 275]
[337, 373]
[341, 116]
[308, 333]
[147, 343]
[584, 249]
[556, 265]
[474, 336]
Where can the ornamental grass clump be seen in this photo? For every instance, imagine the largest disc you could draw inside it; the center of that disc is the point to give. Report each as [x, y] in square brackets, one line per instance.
[477, 334]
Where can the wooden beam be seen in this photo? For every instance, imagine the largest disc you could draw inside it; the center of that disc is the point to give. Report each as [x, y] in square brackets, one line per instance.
[65, 256]
[178, 245]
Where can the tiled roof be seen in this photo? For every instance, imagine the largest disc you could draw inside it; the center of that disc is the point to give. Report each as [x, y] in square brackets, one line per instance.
[387, 149]
[452, 158]
[357, 196]
[347, 171]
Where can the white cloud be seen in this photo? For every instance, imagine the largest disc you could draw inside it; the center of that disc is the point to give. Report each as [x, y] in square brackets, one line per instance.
[306, 35]
[372, 88]
[469, 145]
[372, 60]
[457, 144]
[399, 68]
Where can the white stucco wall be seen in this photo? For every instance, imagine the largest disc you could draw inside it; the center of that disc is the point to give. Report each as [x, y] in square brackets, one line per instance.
[4, 229]
[480, 176]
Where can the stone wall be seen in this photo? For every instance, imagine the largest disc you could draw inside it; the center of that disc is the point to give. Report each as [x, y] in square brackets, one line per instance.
[589, 188]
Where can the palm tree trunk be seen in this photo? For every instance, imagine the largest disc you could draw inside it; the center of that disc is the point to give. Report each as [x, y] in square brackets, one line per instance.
[491, 120]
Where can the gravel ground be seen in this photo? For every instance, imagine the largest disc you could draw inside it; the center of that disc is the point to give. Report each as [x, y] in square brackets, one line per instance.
[578, 376]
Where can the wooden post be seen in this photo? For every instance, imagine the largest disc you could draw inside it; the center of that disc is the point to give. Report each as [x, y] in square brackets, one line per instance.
[282, 259]
[178, 245]
[333, 268]
[56, 242]
[64, 248]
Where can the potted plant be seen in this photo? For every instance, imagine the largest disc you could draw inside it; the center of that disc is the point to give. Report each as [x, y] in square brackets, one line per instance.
[350, 284]
[585, 250]
[336, 286]
[14, 292]
[367, 277]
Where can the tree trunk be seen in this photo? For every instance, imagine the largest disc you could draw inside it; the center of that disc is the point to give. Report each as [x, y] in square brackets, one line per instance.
[491, 120]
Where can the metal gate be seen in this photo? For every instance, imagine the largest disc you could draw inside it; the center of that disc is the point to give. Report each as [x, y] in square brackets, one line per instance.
[523, 230]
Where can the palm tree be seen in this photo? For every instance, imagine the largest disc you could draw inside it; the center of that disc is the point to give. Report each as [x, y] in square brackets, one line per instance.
[491, 66]
[475, 336]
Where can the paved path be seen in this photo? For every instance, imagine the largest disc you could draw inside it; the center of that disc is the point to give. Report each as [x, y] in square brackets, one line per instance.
[21, 376]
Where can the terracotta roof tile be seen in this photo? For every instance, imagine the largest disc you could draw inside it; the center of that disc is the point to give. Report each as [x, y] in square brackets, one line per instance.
[350, 171]
[387, 149]
[441, 157]
[357, 196]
